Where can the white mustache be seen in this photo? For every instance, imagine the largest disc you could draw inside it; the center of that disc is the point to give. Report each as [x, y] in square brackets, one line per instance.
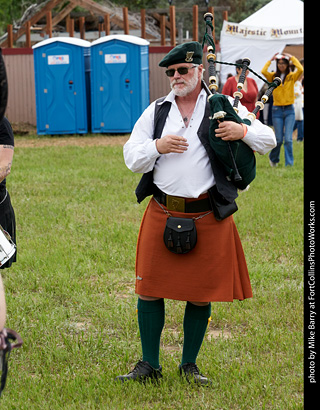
[174, 82]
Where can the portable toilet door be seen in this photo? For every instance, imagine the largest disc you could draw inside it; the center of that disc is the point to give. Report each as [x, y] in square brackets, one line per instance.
[119, 82]
[62, 83]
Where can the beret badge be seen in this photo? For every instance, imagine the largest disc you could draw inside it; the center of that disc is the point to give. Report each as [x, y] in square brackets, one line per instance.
[189, 55]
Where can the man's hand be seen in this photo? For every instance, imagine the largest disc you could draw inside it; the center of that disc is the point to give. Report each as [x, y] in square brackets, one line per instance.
[229, 131]
[171, 143]
[6, 156]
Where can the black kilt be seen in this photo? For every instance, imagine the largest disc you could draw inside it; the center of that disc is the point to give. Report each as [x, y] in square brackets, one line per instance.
[8, 223]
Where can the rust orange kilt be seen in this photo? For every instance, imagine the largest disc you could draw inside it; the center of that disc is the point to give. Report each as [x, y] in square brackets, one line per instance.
[215, 270]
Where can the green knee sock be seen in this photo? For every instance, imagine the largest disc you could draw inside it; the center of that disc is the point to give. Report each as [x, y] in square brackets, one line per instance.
[194, 325]
[151, 322]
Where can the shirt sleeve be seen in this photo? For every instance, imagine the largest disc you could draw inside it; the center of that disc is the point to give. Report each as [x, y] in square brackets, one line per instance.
[6, 133]
[140, 152]
[269, 76]
[253, 85]
[259, 137]
[298, 66]
[227, 88]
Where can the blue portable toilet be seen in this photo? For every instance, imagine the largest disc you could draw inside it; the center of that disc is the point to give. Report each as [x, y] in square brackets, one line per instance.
[62, 85]
[119, 82]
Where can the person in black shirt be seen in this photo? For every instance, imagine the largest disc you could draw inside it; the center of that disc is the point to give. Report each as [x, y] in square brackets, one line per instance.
[7, 222]
[7, 216]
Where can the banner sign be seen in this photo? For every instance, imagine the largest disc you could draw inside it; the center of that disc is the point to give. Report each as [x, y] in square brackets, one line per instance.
[261, 33]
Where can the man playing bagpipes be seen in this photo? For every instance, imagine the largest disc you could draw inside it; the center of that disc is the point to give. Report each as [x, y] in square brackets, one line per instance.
[188, 246]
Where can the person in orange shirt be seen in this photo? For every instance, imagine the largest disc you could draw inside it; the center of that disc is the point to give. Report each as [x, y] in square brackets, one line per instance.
[249, 90]
[283, 116]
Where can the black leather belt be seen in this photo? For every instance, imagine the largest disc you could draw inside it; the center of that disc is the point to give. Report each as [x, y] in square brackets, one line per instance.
[179, 204]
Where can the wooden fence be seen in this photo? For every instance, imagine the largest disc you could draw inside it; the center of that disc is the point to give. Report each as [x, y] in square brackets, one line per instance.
[166, 19]
[19, 63]
[21, 106]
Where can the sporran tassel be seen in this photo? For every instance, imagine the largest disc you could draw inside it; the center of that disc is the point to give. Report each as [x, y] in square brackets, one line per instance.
[170, 240]
[188, 242]
[178, 247]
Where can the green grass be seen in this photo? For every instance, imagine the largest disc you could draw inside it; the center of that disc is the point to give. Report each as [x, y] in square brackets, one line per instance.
[71, 293]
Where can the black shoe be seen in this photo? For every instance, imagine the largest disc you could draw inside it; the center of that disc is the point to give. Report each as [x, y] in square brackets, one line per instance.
[142, 371]
[193, 375]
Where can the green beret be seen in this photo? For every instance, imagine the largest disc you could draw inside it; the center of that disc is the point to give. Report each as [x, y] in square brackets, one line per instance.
[183, 53]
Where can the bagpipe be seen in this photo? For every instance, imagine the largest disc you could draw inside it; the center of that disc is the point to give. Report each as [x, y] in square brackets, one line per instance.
[236, 157]
[7, 249]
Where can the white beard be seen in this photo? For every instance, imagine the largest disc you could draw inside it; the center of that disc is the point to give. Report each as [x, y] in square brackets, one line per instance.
[189, 86]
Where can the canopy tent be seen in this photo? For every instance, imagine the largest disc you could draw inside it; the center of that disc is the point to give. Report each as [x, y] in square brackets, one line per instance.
[261, 35]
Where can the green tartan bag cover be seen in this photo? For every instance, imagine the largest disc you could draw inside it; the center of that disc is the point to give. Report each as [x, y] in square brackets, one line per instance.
[243, 154]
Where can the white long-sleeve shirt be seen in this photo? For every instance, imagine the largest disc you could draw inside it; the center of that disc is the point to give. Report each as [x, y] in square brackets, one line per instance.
[188, 174]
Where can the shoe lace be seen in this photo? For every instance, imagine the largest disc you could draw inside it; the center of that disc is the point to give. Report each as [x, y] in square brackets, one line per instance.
[192, 368]
[138, 366]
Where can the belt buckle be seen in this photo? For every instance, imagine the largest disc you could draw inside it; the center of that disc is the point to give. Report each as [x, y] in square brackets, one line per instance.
[175, 203]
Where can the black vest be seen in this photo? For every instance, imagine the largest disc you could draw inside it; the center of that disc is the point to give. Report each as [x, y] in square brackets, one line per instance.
[226, 188]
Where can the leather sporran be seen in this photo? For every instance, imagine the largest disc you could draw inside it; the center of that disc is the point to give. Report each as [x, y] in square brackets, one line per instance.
[180, 235]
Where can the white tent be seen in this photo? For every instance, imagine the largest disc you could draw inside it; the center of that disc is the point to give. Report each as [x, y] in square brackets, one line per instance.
[261, 35]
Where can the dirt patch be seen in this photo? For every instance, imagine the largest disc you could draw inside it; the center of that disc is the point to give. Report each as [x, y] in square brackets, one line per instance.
[88, 141]
[26, 136]
[23, 128]
[215, 333]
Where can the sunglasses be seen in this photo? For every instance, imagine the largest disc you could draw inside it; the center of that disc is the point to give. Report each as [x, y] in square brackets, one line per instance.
[181, 70]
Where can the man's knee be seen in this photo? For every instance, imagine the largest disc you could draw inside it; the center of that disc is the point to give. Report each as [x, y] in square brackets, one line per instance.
[148, 298]
[200, 303]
